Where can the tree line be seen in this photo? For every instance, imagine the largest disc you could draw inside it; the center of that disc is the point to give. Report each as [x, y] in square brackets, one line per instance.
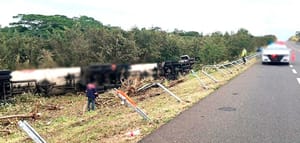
[40, 41]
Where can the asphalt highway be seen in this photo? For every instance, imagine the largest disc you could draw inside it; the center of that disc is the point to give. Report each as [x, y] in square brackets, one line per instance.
[261, 105]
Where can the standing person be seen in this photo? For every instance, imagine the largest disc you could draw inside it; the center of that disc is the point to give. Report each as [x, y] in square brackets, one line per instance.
[244, 54]
[91, 94]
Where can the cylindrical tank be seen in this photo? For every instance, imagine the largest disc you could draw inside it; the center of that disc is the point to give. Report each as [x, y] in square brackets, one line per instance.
[57, 76]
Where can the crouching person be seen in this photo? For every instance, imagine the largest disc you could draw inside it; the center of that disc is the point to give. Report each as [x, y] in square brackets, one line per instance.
[91, 94]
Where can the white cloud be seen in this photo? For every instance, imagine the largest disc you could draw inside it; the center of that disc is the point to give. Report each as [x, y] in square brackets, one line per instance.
[258, 16]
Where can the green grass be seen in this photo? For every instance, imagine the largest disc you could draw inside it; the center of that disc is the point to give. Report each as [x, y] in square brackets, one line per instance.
[107, 123]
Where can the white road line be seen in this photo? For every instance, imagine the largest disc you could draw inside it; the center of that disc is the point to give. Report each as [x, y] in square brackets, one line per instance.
[294, 71]
[291, 66]
[298, 79]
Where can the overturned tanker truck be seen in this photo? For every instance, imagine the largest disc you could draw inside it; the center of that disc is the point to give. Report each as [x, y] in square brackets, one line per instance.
[57, 81]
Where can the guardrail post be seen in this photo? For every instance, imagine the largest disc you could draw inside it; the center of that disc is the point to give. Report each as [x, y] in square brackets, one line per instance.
[144, 87]
[227, 69]
[31, 132]
[209, 76]
[172, 94]
[220, 70]
[201, 82]
[131, 103]
[142, 113]
[237, 65]
[240, 62]
[234, 66]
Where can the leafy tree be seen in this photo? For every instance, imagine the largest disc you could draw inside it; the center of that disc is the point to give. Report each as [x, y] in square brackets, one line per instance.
[40, 41]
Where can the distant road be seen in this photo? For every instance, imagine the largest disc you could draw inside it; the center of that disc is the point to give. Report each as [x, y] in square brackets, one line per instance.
[262, 105]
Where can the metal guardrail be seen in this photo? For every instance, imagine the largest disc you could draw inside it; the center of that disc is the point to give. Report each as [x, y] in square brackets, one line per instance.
[31, 132]
[199, 79]
[168, 91]
[224, 69]
[149, 85]
[124, 97]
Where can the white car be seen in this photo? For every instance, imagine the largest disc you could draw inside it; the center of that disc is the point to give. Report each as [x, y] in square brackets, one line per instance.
[276, 53]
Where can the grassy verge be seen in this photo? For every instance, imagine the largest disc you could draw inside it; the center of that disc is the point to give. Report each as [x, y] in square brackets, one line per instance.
[107, 123]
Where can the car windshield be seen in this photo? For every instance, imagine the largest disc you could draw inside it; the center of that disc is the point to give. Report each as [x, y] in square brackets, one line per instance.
[277, 47]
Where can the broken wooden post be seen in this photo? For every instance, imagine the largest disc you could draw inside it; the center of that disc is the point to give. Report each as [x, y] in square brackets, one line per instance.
[32, 115]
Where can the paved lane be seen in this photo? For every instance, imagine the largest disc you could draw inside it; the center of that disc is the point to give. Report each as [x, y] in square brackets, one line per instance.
[261, 105]
[295, 66]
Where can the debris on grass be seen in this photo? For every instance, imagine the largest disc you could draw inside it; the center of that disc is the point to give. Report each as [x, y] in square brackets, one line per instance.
[70, 122]
[22, 116]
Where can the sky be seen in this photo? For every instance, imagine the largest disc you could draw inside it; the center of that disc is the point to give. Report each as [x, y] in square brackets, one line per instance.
[259, 17]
